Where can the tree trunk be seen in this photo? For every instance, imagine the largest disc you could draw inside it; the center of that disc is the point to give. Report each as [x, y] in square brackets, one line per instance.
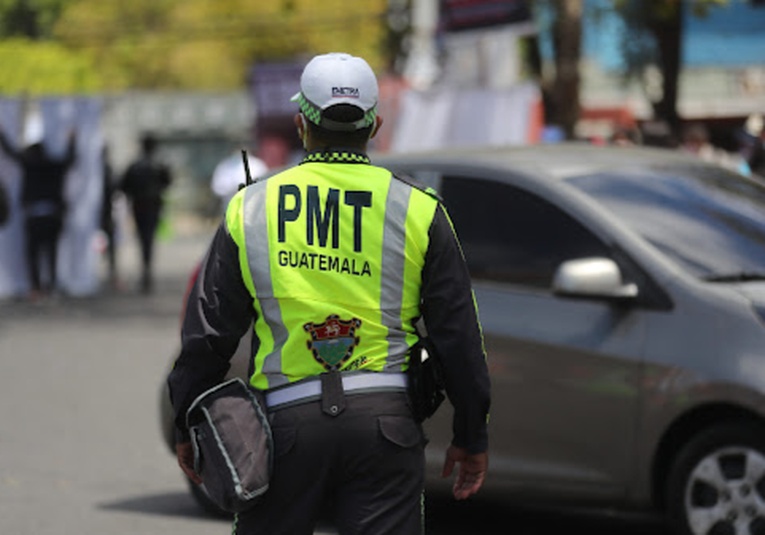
[668, 32]
[567, 36]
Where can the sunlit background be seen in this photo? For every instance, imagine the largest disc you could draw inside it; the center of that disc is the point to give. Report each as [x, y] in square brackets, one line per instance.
[211, 76]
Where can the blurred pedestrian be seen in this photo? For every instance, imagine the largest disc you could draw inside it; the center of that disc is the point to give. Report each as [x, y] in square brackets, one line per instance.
[229, 175]
[696, 140]
[336, 260]
[44, 207]
[625, 136]
[108, 223]
[144, 183]
[753, 144]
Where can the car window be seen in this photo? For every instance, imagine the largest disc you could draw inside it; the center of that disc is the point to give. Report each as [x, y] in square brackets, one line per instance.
[709, 221]
[513, 236]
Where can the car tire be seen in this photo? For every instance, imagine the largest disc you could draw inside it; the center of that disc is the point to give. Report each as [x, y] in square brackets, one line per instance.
[204, 501]
[716, 485]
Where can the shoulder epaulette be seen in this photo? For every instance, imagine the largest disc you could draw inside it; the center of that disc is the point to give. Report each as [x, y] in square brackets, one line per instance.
[406, 179]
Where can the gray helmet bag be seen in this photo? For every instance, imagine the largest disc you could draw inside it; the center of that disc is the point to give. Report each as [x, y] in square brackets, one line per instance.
[233, 445]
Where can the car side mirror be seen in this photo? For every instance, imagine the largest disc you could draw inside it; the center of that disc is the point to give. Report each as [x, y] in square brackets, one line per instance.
[593, 278]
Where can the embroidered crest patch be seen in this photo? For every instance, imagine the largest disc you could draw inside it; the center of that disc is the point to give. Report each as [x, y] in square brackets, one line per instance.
[332, 342]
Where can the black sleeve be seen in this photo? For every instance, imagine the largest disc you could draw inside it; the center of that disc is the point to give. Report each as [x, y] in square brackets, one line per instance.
[218, 312]
[452, 323]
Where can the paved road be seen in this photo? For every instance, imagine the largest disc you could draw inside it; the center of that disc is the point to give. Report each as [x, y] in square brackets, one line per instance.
[80, 445]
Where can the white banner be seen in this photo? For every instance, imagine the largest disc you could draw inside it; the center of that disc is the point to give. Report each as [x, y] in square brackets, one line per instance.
[13, 272]
[465, 118]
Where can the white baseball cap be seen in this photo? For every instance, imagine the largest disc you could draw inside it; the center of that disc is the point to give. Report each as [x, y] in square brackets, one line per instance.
[337, 78]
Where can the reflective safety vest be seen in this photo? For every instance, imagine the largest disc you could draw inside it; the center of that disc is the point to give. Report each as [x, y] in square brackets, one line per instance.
[332, 254]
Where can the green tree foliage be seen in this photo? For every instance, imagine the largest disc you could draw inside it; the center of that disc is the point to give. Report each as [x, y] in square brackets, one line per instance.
[209, 44]
[33, 63]
[111, 45]
[33, 19]
[44, 68]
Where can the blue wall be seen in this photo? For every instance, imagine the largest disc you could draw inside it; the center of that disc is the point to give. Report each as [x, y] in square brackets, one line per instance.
[732, 36]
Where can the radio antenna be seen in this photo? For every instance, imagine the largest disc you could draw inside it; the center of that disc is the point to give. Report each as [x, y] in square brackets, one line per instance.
[246, 160]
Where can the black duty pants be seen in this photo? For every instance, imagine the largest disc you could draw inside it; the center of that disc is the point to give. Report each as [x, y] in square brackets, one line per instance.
[363, 469]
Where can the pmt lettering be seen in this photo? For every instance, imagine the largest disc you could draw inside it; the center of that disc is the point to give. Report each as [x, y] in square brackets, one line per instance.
[322, 216]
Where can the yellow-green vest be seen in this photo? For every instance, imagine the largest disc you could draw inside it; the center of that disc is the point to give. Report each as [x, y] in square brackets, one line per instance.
[332, 255]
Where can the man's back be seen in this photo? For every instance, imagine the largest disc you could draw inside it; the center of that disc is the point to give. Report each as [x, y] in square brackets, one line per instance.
[43, 175]
[146, 180]
[345, 233]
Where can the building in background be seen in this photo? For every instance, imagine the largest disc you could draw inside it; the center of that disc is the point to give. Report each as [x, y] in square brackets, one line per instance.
[722, 78]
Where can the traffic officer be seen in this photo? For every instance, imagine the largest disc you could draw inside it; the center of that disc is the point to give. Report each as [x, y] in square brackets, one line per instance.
[332, 262]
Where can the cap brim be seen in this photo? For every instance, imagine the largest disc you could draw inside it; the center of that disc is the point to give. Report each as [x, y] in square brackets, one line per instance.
[295, 97]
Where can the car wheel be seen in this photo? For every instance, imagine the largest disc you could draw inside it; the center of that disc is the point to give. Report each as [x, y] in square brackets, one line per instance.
[716, 486]
[204, 501]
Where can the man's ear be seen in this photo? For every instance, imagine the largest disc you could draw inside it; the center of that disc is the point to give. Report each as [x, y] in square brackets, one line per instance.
[376, 128]
[302, 128]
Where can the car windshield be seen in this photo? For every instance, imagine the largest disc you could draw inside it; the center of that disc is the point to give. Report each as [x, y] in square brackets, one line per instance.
[710, 221]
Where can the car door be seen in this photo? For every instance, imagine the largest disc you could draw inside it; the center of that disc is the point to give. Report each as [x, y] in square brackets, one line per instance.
[564, 371]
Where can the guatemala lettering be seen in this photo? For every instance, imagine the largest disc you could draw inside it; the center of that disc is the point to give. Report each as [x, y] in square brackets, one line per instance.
[322, 262]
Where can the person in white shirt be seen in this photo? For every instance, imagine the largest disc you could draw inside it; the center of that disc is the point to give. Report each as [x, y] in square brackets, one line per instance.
[229, 175]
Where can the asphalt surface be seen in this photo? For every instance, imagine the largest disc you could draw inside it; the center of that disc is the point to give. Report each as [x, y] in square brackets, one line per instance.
[81, 450]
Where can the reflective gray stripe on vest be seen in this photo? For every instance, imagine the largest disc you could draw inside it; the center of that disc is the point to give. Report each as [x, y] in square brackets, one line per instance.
[256, 242]
[391, 294]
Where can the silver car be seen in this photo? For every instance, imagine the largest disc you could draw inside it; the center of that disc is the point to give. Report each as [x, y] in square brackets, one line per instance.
[622, 297]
